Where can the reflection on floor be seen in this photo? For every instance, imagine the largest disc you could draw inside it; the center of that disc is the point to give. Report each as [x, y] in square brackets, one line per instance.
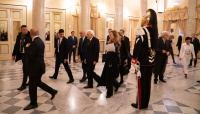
[177, 96]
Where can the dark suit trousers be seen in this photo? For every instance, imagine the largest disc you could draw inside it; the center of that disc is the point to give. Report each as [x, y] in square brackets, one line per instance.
[57, 66]
[35, 81]
[24, 67]
[172, 54]
[160, 77]
[195, 61]
[74, 54]
[91, 74]
[146, 73]
[84, 67]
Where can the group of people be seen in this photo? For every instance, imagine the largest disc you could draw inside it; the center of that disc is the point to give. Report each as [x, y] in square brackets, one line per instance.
[3, 36]
[149, 51]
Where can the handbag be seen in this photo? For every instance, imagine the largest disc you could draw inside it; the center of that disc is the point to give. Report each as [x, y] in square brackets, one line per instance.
[104, 57]
[125, 68]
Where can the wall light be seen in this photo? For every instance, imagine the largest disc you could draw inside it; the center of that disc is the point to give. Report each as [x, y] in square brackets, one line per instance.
[161, 5]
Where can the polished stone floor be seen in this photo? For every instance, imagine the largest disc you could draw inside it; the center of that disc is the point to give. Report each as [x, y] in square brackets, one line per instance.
[177, 96]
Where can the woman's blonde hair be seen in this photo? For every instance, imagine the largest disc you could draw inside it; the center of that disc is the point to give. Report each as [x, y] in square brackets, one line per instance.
[115, 39]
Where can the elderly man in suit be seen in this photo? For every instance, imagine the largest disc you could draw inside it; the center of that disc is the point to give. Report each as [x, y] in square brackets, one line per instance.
[92, 57]
[36, 68]
[196, 45]
[82, 53]
[19, 53]
[162, 52]
[61, 55]
[72, 46]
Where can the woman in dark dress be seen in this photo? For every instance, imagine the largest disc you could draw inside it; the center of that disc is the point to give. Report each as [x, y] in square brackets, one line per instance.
[171, 37]
[111, 67]
[123, 57]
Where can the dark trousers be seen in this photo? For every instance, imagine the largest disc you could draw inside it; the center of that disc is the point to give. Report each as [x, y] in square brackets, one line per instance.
[121, 72]
[195, 61]
[24, 67]
[110, 82]
[57, 66]
[34, 82]
[179, 48]
[156, 77]
[146, 73]
[74, 54]
[172, 54]
[84, 67]
[91, 74]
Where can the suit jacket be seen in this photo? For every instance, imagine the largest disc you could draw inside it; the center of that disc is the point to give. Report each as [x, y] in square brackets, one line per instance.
[16, 48]
[123, 51]
[82, 48]
[72, 42]
[161, 59]
[196, 45]
[126, 39]
[179, 42]
[107, 39]
[63, 49]
[35, 53]
[92, 53]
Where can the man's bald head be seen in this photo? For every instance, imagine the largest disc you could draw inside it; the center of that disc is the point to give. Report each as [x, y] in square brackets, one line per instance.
[82, 33]
[34, 32]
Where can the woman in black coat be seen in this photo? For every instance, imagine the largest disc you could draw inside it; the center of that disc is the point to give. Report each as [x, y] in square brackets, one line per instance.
[123, 57]
[111, 67]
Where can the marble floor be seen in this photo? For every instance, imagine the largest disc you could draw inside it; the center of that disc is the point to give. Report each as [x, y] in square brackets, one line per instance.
[177, 96]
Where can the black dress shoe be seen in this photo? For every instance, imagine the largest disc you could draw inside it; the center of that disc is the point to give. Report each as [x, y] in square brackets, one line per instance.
[116, 88]
[198, 81]
[27, 84]
[70, 81]
[86, 87]
[30, 106]
[108, 96]
[21, 88]
[163, 81]
[121, 82]
[194, 65]
[53, 94]
[189, 65]
[83, 79]
[52, 77]
[136, 106]
[174, 62]
[155, 82]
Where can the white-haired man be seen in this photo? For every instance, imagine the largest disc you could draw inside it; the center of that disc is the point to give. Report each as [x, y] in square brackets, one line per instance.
[92, 56]
[162, 53]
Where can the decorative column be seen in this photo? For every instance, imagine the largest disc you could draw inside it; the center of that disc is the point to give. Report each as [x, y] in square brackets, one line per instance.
[192, 4]
[118, 19]
[143, 9]
[85, 15]
[38, 19]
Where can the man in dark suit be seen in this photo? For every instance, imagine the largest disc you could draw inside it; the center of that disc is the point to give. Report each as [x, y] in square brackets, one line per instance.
[72, 46]
[19, 52]
[126, 39]
[92, 57]
[108, 37]
[162, 52]
[61, 55]
[179, 43]
[82, 53]
[196, 45]
[36, 68]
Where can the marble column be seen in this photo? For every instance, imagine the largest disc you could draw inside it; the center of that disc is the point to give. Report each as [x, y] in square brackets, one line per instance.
[192, 4]
[38, 19]
[118, 18]
[143, 9]
[85, 15]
